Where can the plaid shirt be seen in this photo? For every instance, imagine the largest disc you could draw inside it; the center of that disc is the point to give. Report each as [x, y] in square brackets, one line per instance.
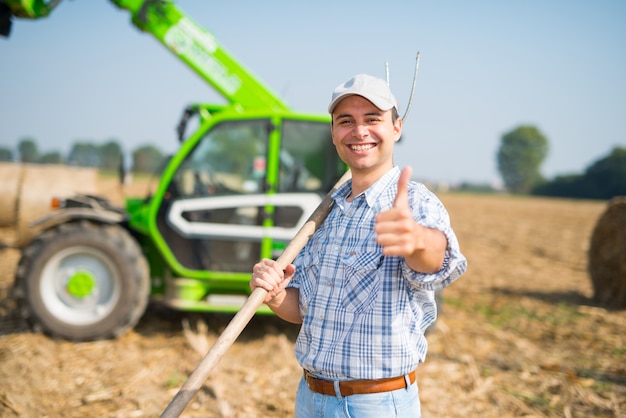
[365, 314]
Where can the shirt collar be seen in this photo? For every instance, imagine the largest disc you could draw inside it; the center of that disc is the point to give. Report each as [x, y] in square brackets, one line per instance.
[374, 191]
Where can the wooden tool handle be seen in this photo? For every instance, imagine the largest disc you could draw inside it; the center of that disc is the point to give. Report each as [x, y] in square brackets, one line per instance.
[249, 308]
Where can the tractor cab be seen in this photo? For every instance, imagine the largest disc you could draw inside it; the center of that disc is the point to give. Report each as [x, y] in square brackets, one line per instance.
[237, 191]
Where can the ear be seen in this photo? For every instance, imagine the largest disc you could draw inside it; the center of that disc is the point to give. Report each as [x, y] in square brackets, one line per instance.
[397, 128]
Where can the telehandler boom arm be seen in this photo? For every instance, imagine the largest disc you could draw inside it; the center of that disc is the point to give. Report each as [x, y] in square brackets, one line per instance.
[195, 46]
[240, 184]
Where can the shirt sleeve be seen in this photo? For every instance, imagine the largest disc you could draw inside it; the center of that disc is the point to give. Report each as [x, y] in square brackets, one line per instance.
[428, 211]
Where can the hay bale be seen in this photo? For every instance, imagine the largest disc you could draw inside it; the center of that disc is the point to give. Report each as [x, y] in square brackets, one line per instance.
[40, 183]
[607, 256]
[11, 178]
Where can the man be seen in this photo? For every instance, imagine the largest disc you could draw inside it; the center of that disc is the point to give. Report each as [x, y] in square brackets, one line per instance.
[363, 286]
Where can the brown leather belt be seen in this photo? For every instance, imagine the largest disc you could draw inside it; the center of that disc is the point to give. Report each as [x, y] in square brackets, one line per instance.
[356, 387]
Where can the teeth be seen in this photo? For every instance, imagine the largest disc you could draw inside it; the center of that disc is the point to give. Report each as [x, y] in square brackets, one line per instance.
[362, 147]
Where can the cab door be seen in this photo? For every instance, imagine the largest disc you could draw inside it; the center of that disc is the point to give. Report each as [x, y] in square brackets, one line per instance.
[242, 192]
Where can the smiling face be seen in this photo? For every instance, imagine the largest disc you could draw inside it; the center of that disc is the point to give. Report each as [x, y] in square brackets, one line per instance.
[365, 136]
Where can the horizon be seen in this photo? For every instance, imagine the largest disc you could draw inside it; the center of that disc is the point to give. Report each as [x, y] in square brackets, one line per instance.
[85, 73]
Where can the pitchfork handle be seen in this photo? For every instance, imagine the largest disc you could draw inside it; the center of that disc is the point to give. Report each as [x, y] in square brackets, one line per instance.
[249, 308]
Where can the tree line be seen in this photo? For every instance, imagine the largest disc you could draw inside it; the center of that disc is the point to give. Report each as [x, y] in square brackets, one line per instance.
[519, 158]
[523, 150]
[107, 157]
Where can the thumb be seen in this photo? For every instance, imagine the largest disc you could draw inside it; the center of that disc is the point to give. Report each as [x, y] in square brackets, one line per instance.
[402, 198]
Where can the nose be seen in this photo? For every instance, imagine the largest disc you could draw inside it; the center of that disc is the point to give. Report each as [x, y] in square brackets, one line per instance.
[361, 131]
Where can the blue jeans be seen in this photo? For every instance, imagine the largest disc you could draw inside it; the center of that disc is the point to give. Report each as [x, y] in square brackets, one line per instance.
[401, 403]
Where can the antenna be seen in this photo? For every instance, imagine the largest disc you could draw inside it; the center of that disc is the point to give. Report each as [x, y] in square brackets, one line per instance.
[387, 72]
[408, 107]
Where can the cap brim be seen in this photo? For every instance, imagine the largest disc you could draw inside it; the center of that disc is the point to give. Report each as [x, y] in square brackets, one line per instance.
[379, 102]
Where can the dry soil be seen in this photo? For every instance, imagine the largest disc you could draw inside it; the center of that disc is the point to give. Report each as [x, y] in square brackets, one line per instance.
[518, 336]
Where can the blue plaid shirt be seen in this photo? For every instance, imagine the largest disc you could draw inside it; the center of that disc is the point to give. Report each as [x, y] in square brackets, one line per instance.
[365, 314]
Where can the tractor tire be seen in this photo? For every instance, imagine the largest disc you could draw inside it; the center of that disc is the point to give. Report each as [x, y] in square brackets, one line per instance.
[83, 281]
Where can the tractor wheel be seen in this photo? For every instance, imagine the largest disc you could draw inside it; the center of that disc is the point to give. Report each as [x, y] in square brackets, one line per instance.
[83, 281]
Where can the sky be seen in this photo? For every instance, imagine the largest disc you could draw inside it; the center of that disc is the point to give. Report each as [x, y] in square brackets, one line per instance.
[85, 73]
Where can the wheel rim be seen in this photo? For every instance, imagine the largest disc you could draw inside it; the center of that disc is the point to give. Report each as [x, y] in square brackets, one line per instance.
[80, 285]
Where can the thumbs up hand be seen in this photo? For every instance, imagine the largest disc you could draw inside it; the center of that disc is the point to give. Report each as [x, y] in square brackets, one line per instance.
[396, 231]
[399, 235]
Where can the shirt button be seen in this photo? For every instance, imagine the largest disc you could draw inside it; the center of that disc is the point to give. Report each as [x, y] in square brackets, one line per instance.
[330, 283]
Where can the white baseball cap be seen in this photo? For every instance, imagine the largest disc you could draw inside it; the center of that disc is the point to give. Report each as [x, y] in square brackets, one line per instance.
[372, 88]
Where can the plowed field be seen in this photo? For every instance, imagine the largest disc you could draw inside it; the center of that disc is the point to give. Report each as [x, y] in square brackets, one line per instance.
[518, 336]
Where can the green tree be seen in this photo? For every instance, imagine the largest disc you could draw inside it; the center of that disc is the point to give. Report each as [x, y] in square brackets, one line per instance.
[604, 179]
[53, 157]
[84, 154]
[29, 153]
[110, 155]
[521, 153]
[6, 154]
[608, 175]
[568, 185]
[147, 159]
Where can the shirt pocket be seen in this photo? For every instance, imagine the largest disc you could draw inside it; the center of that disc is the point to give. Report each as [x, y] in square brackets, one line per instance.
[311, 267]
[361, 283]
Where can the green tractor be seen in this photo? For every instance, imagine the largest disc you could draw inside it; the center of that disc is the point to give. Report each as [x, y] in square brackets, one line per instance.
[239, 187]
